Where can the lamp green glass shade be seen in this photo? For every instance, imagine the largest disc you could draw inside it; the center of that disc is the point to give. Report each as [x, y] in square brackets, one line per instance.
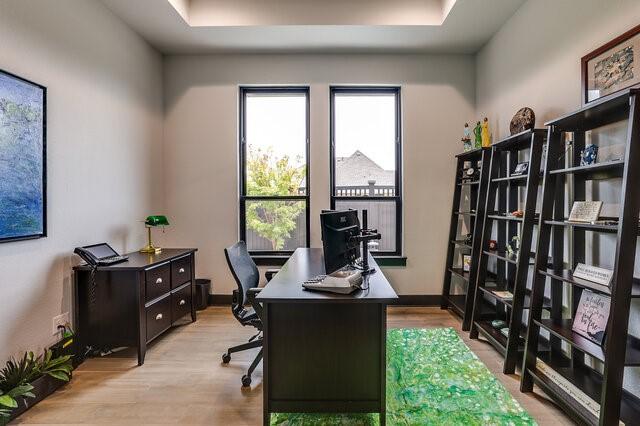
[150, 222]
[156, 220]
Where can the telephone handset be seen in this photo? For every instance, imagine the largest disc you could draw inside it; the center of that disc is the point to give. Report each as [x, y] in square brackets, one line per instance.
[99, 254]
[87, 256]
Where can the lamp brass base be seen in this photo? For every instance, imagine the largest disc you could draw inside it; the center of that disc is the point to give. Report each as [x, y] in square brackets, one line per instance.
[151, 250]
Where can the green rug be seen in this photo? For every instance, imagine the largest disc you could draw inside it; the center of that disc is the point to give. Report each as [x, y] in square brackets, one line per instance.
[432, 379]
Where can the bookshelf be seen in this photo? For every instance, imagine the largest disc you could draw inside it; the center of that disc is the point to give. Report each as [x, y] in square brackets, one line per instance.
[513, 270]
[467, 206]
[590, 395]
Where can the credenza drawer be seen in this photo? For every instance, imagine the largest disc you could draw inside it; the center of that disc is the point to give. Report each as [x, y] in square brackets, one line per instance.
[180, 271]
[157, 281]
[181, 303]
[158, 317]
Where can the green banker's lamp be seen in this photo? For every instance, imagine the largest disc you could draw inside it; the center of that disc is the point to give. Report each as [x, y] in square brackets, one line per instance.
[152, 222]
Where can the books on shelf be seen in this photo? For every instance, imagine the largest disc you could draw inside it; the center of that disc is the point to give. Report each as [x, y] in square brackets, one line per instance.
[503, 294]
[592, 316]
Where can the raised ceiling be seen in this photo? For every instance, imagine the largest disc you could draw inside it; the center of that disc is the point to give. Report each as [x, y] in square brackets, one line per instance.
[202, 26]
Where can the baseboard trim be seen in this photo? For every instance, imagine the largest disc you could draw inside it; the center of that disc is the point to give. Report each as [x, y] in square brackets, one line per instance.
[220, 300]
[403, 300]
[418, 300]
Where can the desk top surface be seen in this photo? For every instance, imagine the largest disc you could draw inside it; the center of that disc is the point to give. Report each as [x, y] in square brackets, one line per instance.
[139, 260]
[306, 263]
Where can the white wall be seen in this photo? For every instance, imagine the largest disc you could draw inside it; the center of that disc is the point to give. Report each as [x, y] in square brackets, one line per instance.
[534, 60]
[201, 148]
[104, 150]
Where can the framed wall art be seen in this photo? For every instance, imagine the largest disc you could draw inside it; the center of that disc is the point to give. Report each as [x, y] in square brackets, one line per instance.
[612, 67]
[23, 163]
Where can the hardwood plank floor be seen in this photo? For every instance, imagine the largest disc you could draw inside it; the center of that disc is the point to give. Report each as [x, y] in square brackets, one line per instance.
[183, 380]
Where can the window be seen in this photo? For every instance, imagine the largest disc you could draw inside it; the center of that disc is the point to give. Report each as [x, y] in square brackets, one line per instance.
[366, 159]
[274, 169]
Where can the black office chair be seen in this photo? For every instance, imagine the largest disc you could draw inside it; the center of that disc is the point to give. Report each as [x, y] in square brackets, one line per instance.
[247, 277]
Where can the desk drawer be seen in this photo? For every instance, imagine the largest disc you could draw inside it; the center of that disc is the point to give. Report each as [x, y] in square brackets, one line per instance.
[181, 303]
[180, 271]
[158, 281]
[158, 317]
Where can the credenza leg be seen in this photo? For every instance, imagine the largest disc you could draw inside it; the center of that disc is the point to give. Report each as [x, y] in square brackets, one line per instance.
[142, 351]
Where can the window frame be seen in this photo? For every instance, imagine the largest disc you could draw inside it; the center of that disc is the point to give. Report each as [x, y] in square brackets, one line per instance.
[396, 91]
[242, 145]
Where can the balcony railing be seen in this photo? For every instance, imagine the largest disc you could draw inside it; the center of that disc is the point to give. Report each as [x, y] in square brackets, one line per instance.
[381, 216]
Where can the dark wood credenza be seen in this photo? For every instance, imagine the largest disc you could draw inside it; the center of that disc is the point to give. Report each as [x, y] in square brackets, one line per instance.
[133, 302]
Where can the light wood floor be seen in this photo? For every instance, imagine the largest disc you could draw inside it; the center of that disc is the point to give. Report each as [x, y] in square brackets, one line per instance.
[184, 382]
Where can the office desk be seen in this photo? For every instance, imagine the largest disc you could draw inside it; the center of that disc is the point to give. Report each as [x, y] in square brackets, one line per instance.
[323, 352]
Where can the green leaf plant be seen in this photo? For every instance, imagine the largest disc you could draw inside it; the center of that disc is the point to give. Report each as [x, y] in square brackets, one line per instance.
[17, 375]
[268, 175]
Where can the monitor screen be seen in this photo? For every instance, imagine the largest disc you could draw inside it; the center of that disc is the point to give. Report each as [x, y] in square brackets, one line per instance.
[101, 250]
[337, 229]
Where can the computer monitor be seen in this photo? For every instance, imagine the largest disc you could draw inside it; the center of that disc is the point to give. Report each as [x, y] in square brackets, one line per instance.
[337, 229]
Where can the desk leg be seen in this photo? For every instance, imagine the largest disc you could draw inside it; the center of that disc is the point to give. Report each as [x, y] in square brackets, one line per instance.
[266, 414]
[383, 363]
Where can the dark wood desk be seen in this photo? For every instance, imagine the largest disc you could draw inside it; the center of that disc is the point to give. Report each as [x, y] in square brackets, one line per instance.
[133, 302]
[323, 352]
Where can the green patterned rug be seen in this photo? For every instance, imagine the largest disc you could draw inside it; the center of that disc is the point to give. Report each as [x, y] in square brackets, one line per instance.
[432, 379]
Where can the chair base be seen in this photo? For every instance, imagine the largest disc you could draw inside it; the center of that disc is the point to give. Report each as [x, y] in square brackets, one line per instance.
[253, 343]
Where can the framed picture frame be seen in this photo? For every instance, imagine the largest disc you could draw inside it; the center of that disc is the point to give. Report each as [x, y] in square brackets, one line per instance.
[585, 211]
[23, 158]
[592, 316]
[612, 67]
[521, 169]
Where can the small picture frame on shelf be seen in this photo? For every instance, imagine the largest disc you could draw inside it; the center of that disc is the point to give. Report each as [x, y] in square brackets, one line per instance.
[593, 273]
[585, 211]
[466, 262]
[592, 316]
[589, 155]
[521, 169]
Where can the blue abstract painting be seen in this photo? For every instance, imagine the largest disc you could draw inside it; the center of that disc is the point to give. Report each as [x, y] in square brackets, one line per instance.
[22, 159]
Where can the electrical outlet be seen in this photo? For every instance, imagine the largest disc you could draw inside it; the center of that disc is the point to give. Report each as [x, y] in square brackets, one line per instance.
[60, 320]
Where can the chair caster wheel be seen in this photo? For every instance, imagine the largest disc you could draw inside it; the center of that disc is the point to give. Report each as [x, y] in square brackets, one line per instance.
[246, 381]
[226, 358]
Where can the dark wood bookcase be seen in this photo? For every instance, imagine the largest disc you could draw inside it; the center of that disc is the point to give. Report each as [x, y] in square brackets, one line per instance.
[468, 206]
[560, 372]
[512, 270]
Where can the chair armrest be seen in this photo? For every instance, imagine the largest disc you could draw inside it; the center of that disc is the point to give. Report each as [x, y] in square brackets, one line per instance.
[251, 296]
[269, 273]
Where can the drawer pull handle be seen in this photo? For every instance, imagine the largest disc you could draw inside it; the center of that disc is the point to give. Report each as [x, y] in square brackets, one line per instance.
[181, 271]
[182, 302]
[158, 317]
[159, 281]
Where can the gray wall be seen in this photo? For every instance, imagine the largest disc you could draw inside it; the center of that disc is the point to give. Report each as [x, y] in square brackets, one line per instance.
[104, 131]
[201, 147]
[534, 60]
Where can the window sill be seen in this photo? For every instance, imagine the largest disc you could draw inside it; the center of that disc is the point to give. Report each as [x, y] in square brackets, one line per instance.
[279, 260]
[270, 260]
[391, 260]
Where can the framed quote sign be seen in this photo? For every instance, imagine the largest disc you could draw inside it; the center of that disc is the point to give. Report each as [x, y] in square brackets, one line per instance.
[612, 67]
[592, 316]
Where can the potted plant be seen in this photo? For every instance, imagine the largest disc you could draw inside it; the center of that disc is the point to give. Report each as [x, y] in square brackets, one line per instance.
[27, 381]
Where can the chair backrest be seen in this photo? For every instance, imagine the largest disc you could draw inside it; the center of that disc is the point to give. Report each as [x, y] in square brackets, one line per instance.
[244, 271]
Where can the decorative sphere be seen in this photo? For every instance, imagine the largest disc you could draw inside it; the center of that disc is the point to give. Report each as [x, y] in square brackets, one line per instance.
[525, 119]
